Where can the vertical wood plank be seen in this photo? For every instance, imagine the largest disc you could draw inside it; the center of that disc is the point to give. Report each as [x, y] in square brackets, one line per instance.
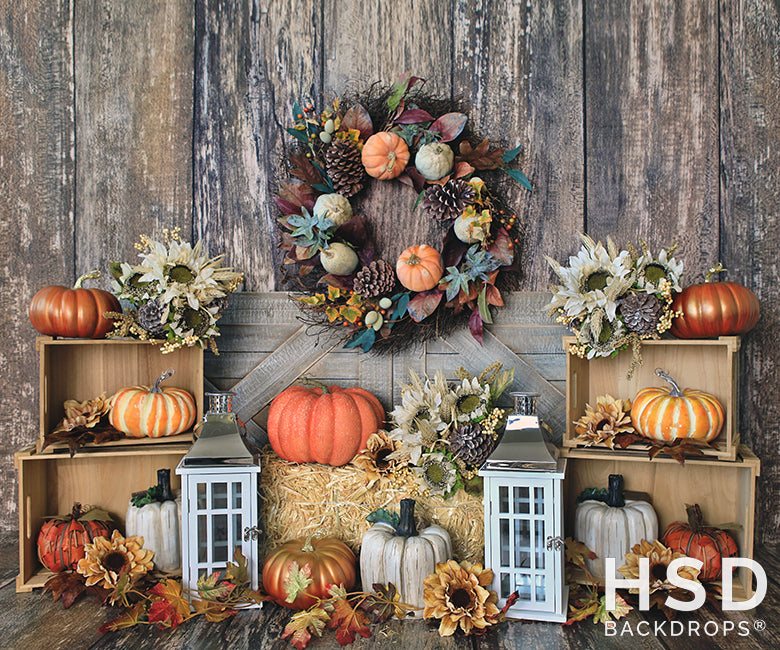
[36, 202]
[521, 65]
[750, 204]
[254, 58]
[133, 68]
[366, 42]
[651, 107]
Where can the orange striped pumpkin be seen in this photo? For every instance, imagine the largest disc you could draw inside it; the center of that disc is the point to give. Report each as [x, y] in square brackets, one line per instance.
[141, 411]
[667, 414]
[327, 424]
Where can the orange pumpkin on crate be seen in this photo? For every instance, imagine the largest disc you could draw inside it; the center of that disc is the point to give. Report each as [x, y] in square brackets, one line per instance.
[385, 155]
[73, 313]
[419, 268]
[705, 543]
[62, 539]
[667, 414]
[331, 562]
[154, 412]
[322, 424]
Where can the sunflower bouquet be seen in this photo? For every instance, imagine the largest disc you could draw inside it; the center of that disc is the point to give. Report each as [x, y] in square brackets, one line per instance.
[177, 292]
[445, 431]
[612, 297]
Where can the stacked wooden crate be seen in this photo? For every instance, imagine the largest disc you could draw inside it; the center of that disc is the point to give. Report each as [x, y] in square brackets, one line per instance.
[722, 482]
[105, 475]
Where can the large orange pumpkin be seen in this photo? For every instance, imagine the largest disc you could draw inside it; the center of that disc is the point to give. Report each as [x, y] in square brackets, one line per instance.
[73, 313]
[141, 411]
[331, 562]
[667, 414]
[327, 424]
[694, 539]
[419, 268]
[61, 540]
[714, 309]
[385, 155]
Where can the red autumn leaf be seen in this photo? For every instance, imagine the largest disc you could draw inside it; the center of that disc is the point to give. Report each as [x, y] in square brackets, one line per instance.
[303, 169]
[163, 614]
[358, 118]
[449, 126]
[338, 281]
[502, 247]
[348, 621]
[483, 156]
[414, 116]
[493, 296]
[424, 304]
[475, 325]
[461, 169]
[297, 194]
[287, 207]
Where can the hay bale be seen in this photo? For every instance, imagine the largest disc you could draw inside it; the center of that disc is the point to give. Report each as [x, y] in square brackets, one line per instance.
[300, 500]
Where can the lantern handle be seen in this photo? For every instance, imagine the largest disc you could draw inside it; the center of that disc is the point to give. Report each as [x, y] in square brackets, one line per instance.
[156, 388]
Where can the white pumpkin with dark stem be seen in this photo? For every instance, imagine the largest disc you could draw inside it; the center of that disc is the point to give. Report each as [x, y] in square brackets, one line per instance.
[403, 556]
[611, 528]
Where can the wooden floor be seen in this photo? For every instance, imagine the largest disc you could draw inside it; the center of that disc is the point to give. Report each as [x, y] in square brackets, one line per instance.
[34, 621]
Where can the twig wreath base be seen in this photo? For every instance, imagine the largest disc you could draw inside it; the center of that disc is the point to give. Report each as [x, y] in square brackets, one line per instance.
[342, 283]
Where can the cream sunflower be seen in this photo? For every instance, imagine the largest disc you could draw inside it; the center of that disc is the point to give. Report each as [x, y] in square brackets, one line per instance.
[105, 561]
[650, 271]
[456, 594]
[601, 335]
[436, 473]
[471, 400]
[421, 402]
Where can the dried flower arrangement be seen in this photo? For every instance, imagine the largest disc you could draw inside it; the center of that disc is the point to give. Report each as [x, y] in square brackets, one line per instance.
[177, 293]
[345, 285]
[612, 298]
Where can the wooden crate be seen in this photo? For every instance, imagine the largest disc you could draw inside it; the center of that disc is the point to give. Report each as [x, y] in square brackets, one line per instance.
[705, 364]
[84, 368]
[725, 491]
[49, 484]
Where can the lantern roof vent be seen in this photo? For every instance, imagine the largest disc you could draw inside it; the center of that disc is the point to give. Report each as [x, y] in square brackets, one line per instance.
[522, 446]
[219, 442]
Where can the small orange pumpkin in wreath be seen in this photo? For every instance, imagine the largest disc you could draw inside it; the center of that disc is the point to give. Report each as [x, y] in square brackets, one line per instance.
[419, 268]
[385, 155]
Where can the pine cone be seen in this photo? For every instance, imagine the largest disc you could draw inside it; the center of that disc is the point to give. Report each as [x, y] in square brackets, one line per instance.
[469, 444]
[443, 202]
[641, 313]
[374, 280]
[150, 317]
[345, 167]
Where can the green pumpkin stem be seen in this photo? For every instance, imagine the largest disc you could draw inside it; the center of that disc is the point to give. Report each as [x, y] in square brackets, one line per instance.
[156, 388]
[695, 517]
[718, 268]
[615, 491]
[406, 527]
[675, 392]
[307, 381]
[92, 275]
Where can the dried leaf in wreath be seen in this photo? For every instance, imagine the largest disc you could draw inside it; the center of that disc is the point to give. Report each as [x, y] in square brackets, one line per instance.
[68, 586]
[303, 169]
[482, 156]
[383, 604]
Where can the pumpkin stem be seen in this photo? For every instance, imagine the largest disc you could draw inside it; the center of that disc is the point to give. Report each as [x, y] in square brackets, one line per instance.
[92, 275]
[308, 547]
[695, 517]
[307, 381]
[156, 388]
[164, 483]
[75, 513]
[675, 392]
[718, 268]
[615, 491]
[412, 260]
[406, 527]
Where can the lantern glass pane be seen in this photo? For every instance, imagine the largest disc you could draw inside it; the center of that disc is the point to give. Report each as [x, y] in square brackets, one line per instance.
[202, 503]
[506, 585]
[540, 554]
[203, 549]
[237, 532]
[522, 501]
[503, 499]
[541, 589]
[503, 527]
[219, 538]
[236, 496]
[219, 496]
[539, 501]
[523, 586]
[522, 543]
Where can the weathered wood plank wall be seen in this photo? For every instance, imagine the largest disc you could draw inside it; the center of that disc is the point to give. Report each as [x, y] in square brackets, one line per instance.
[657, 120]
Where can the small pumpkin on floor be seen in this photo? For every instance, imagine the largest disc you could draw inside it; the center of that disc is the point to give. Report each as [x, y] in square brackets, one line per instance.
[403, 556]
[62, 539]
[611, 527]
[705, 543]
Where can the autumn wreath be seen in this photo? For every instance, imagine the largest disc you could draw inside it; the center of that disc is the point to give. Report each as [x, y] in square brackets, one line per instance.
[395, 133]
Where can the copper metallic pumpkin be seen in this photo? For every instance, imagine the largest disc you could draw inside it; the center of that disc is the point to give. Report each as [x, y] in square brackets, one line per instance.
[327, 424]
[667, 414]
[331, 562]
[73, 313]
[61, 541]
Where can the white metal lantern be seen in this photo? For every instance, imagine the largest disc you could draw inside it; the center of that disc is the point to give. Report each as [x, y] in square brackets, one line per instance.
[524, 518]
[219, 478]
